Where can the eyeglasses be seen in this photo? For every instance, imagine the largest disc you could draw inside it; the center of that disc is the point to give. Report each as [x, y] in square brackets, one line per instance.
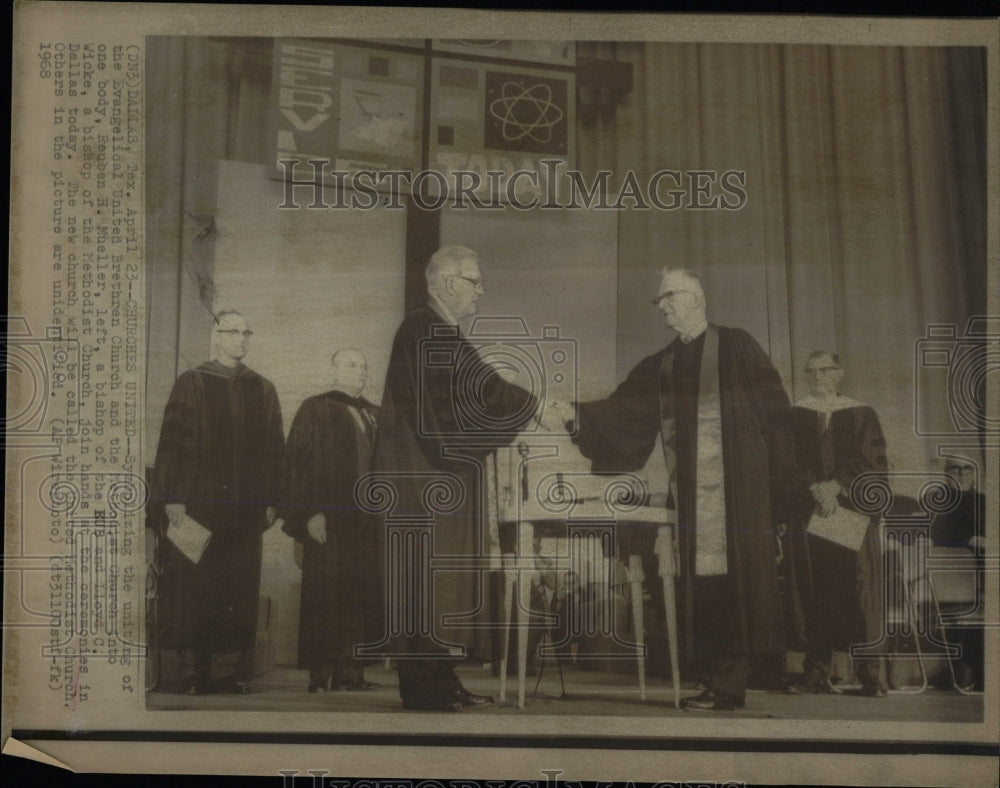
[670, 295]
[817, 370]
[960, 469]
[234, 331]
[477, 284]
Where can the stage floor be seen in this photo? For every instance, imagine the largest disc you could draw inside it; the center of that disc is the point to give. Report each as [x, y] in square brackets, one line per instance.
[589, 693]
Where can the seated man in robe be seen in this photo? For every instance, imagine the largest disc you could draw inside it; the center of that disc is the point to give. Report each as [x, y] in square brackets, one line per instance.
[963, 527]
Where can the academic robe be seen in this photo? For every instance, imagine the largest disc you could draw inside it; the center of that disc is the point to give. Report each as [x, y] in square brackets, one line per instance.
[438, 403]
[220, 454]
[956, 528]
[618, 434]
[329, 448]
[829, 579]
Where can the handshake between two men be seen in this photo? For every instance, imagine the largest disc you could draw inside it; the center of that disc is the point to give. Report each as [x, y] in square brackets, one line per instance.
[554, 416]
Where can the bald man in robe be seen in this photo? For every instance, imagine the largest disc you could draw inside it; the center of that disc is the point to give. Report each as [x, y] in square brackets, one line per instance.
[329, 448]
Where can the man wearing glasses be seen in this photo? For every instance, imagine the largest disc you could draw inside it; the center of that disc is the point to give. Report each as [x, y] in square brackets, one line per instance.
[218, 470]
[836, 589]
[424, 433]
[718, 403]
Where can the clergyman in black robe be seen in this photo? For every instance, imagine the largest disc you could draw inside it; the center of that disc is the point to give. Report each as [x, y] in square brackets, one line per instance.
[839, 590]
[219, 462]
[439, 405]
[720, 406]
[329, 448]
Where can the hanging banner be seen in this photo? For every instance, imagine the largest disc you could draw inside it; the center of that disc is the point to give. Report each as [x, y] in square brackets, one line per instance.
[501, 132]
[352, 107]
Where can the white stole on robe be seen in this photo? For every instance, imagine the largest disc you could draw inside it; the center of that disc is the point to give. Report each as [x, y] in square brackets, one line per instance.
[708, 520]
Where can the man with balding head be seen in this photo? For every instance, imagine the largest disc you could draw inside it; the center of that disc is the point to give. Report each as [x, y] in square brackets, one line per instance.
[329, 448]
[427, 432]
[718, 403]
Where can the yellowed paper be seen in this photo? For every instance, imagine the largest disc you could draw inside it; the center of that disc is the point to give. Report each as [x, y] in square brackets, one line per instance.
[833, 182]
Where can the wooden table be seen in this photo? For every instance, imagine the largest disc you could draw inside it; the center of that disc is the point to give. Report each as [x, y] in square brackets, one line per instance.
[540, 514]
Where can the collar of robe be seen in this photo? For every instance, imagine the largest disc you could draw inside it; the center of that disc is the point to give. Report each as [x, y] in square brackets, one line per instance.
[828, 405]
[687, 339]
[347, 399]
[218, 368]
[441, 310]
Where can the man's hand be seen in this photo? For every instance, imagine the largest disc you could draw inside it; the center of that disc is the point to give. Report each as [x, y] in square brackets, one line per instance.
[825, 495]
[175, 513]
[270, 513]
[317, 527]
[555, 415]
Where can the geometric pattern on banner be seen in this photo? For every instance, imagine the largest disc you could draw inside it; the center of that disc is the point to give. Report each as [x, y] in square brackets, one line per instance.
[525, 112]
[489, 117]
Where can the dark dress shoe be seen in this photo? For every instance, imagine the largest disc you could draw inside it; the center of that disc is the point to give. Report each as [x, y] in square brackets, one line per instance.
[710, 700]
[194, 685]
[966, 678]
[359, 685]
[873, 691]
[233, 686]
[317, 686]
[433, 704]
[467, 698]
[816, 683]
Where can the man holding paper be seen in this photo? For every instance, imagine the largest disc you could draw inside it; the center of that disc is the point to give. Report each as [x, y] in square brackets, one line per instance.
[218, 474]
[834, 552]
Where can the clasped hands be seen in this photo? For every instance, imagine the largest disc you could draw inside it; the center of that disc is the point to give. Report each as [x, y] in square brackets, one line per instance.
[554, 416]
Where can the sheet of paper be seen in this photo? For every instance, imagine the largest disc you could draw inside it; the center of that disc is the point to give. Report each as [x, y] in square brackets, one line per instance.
[190, 537]
[844, 527]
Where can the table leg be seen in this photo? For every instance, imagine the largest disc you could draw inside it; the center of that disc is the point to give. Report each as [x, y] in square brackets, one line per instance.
[507, 598]
[525, 548]
[635, 592]
[670, 603]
